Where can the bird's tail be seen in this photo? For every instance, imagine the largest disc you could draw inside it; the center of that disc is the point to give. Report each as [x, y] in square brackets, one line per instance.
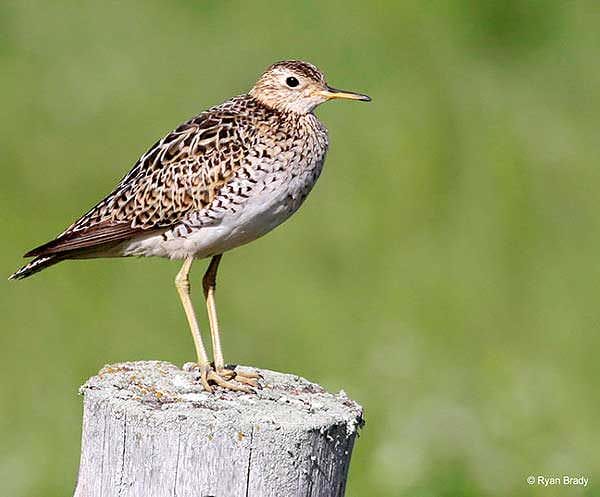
[36, 265]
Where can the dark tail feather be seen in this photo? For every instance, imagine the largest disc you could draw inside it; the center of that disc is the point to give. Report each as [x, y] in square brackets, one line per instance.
[35, 266]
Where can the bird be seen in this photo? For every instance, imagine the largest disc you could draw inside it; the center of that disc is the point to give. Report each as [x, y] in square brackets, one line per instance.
[220, 180]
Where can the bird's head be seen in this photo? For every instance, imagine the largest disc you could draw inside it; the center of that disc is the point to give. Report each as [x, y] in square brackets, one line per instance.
[297, 86]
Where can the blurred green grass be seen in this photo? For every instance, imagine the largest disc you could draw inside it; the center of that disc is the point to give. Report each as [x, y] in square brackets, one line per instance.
[444, 271]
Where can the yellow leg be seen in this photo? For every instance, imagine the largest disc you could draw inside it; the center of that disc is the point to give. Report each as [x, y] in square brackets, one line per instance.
[209, 284]
[182, 283]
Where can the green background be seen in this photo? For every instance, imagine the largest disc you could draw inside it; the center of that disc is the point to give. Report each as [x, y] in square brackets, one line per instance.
[444, 272]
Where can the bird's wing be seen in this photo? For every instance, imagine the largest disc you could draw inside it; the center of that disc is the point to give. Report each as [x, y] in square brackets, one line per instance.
[180, 173]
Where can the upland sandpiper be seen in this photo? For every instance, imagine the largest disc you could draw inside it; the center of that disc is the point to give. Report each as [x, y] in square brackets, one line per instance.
[220, 180]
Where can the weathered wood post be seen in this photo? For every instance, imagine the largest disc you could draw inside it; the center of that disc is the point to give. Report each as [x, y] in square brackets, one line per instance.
[149, 430]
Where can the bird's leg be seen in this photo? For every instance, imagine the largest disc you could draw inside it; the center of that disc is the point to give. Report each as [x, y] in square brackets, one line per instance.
[209, 284]
[207, 374]
[182, 283]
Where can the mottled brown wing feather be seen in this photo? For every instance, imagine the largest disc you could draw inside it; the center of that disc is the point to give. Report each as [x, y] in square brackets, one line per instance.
[182, 172]
[103, 233]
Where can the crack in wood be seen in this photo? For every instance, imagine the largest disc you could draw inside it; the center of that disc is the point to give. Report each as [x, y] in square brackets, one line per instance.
[177, 462]
[123, 455]
[249, 462]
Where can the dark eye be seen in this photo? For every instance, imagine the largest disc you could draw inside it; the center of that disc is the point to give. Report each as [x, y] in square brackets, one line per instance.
[292, 82]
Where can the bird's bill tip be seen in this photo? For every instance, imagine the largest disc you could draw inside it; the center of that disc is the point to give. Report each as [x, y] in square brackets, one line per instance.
[331, 93]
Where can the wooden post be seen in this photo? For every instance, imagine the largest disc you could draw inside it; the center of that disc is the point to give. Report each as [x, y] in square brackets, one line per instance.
[149, 430]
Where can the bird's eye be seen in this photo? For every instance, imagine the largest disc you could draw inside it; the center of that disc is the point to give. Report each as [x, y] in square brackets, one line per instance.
[292, 82]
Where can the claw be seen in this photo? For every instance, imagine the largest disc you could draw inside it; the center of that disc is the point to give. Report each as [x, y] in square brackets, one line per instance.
[214, 376]
[253, 382]
[222, 378]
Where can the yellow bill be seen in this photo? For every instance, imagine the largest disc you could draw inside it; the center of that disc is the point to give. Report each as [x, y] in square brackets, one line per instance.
[331, 93]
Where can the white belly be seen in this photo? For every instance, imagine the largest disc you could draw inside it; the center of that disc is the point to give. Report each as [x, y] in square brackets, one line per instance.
[258, 215]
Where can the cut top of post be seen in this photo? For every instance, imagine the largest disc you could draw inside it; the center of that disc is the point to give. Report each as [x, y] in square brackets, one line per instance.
[163, 391]
[151, 430]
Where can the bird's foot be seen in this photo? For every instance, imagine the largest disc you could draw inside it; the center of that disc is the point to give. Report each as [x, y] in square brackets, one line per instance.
[246, 377]
[245, 381]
